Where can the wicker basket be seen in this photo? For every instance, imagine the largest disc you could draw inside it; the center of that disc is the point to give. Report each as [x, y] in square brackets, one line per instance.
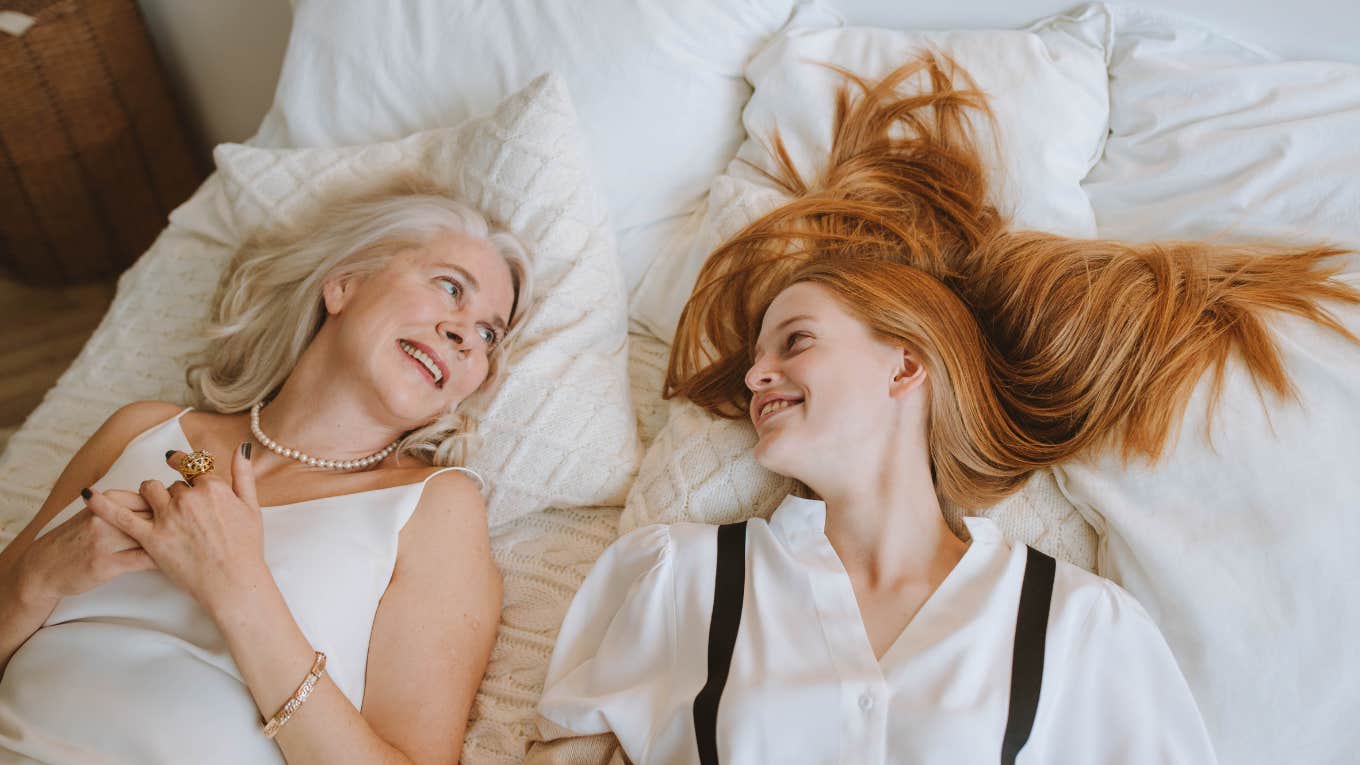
[93, 153]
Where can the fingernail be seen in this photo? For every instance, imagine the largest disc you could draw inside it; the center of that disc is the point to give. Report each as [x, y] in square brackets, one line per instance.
[86, 493]
[167, 454]
[245, 450]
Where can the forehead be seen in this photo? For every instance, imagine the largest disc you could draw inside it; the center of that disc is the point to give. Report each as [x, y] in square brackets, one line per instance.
[452, 247]
[803, 298]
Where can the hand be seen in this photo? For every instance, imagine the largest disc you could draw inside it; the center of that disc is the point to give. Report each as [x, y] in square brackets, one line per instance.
[208, 537]
[85, 551]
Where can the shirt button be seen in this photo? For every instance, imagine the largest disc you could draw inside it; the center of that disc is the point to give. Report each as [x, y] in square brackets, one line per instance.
[866, 702]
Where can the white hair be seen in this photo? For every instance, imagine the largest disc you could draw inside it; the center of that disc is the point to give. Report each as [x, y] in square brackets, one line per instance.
[269, 303]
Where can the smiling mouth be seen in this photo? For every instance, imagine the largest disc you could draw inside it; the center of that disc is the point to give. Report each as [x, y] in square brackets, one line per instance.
[426, 363]
[772, 408]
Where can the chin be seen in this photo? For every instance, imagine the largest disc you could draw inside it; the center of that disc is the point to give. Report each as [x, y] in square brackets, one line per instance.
[774, 454]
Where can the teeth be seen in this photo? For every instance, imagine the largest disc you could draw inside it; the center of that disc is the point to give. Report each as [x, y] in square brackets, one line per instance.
[423, 358]
[775, 406]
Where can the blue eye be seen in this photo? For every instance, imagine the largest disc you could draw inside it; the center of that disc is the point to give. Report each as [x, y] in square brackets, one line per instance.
[452, 287]
[488, 335]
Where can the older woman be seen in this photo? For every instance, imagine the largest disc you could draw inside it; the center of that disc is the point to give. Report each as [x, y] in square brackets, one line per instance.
[322, 591]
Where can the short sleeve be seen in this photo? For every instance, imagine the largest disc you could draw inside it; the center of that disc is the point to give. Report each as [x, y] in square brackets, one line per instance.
[611, 668]
[1121, 699]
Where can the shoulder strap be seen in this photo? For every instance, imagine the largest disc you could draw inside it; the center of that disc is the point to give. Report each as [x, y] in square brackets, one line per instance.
[729, 588]
[1027, 663]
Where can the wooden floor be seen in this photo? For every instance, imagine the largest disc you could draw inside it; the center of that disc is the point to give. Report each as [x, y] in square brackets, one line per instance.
[41, 331]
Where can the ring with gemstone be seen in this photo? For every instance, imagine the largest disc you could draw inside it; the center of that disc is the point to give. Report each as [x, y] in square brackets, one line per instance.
[195, 464]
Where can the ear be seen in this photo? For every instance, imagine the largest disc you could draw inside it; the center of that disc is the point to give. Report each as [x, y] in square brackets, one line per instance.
[336, 292]
[908, 375]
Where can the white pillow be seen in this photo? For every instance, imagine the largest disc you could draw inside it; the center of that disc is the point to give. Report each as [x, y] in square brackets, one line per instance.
[559, 432]
[657, 84]
[1210, 138]
[1244, 552]
[1243, 549]
[1046, 87]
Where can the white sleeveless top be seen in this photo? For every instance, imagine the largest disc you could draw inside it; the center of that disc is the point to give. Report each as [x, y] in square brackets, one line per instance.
[135, 671]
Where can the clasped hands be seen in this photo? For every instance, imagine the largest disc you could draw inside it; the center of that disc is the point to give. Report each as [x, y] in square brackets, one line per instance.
[208, 537]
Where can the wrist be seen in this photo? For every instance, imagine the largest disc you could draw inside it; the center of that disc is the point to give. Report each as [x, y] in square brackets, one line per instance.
[29, 589]
[241, 595]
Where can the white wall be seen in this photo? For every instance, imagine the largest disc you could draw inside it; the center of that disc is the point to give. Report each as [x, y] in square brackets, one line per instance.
[224, 56]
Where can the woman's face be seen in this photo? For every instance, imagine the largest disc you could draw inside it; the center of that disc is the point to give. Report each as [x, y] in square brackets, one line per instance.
[825, 389]
[423, 327]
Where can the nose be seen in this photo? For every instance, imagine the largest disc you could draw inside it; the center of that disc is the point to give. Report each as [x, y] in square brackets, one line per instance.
[760, 376]
[457, 335]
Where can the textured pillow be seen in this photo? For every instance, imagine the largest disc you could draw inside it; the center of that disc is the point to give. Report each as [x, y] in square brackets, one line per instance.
[1242, 547]
[559, 431]
[657, 84]
[1046, 87]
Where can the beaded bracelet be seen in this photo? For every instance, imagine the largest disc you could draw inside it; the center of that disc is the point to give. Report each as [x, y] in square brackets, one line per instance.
[291, 706]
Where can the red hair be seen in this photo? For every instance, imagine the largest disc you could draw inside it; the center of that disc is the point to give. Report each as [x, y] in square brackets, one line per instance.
[1038, 346]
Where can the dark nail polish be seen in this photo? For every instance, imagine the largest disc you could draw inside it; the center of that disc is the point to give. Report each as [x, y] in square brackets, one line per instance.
[86, 493]
[245, 450]
[167, 454]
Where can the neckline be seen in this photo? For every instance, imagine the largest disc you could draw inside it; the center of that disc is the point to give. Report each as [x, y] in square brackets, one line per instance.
[843, 595]
[184, 438]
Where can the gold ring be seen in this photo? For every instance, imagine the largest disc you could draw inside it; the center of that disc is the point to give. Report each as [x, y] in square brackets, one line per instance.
[195, 464]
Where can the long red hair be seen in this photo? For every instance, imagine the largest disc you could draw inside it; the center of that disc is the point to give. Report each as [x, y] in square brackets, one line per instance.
[1038, 346]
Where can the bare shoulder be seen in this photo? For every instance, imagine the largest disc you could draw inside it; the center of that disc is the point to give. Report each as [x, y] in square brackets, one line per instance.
[449, 518]
[97, 455]
[131, 420]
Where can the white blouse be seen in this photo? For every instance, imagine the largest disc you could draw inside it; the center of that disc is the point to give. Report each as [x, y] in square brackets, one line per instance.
[805, 686]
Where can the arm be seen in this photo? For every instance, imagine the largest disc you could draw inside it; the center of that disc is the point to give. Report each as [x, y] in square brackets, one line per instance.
[83, 552]
[431, 637]
[1122, 699]
[611, 677]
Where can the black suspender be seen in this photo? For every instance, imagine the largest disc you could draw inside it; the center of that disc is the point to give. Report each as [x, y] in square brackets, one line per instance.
[1027, 663]
[729, 588]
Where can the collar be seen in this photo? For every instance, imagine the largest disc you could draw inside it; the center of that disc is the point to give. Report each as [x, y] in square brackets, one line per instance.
[796, 518]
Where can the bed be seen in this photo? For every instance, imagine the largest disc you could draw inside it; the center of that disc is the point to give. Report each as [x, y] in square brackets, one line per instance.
[1125, 123]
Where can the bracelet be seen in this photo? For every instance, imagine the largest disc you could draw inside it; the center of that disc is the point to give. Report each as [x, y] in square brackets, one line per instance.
[291, 706]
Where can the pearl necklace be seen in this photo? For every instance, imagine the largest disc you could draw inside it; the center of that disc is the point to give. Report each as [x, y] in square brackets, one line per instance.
[306, 459]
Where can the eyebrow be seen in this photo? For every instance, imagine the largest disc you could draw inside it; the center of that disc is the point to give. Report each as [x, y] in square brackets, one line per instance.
[786, 323]
[791, 320]
[475, 287]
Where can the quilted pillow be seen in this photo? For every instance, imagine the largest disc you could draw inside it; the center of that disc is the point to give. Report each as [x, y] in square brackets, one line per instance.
[558, 432]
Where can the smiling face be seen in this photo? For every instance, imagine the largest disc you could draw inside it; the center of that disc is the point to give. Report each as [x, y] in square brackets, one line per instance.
[422, 329]
[825, 391]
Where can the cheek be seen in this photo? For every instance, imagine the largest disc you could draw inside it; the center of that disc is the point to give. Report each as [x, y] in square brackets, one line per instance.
[474, 377]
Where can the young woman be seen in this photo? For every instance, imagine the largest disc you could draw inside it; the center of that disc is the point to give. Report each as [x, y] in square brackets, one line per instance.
[893, 345]
[325, 593]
